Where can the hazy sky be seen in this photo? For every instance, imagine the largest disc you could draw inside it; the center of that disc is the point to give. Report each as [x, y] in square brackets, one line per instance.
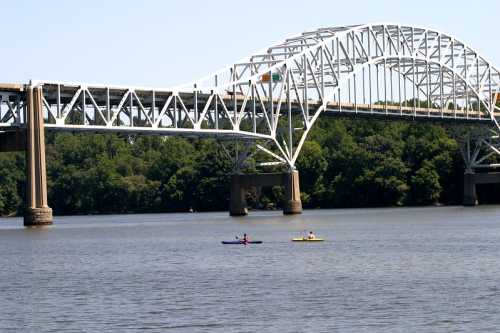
[169, 42]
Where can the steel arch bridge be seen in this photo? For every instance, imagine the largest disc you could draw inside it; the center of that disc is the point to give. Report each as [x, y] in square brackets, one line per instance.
[272, 99]
[275, 96]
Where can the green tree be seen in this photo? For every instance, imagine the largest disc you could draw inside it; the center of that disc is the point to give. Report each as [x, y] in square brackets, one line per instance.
[425, 186]
[312, 164]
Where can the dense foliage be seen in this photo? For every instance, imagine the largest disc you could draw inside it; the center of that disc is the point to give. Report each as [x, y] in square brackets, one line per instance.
[344, 163]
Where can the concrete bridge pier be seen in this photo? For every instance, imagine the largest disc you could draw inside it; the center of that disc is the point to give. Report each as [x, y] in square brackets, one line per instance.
[292, 203]
[238, 202]
[290, 181]
[471, 179]
[470, 196]
[37, 213]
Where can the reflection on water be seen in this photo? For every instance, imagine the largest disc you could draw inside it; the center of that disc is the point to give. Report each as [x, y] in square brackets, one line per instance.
[380, 270]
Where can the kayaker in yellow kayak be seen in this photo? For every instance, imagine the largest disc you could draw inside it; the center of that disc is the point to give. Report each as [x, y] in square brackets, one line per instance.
[311, 236]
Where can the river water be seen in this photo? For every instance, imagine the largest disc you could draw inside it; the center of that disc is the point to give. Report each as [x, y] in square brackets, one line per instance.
[431, 269]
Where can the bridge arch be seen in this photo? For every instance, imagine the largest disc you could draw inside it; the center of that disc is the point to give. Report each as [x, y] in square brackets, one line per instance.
[480, 110]
[412, 40]
[316, 66]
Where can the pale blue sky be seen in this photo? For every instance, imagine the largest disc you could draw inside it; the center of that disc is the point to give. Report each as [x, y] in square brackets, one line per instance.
[166, 43]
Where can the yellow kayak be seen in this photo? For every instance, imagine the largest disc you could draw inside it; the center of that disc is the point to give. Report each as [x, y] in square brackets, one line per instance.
[303, 239]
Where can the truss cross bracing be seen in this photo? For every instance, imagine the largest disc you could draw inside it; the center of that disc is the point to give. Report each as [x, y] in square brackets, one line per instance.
[275, 95]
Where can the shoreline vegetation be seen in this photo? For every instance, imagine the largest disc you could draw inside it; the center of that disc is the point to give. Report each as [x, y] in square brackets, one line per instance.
[343, 164]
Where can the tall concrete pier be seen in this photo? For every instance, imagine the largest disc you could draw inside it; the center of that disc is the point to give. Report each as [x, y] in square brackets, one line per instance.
[37, 212]
[290, 181]
[292, 203]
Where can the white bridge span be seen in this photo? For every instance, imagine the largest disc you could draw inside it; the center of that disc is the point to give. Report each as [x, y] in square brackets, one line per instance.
[274, 96]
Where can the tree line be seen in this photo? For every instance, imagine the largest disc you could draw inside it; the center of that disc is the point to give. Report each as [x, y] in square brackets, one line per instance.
[344, 163]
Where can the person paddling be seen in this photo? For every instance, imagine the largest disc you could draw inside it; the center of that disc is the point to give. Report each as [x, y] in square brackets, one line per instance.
[311, 236]
[245, 239]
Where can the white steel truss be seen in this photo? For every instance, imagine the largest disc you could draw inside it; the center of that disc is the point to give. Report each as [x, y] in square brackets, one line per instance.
[276, 95]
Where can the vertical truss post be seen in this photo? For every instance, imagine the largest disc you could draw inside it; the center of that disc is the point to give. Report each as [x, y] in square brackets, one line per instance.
[108, 106]
[306, 103]
[153, 107]
[84, 118]
[289, 115]
[270, 112]
[195, 104]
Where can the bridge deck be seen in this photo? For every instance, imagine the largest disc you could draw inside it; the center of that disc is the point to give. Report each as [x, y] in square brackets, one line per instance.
[58, 96]
[389, 110]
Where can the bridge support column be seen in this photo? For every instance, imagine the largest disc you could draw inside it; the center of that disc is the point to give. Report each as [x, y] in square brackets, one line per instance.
[238, 203]
[38, 213]
[470, 197]
[290, 181]
[292, 203]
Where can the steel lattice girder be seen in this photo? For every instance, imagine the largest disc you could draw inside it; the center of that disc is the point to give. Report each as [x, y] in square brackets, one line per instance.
[277, 94]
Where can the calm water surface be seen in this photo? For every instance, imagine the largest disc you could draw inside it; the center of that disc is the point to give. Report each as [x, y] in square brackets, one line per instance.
[380, 270]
